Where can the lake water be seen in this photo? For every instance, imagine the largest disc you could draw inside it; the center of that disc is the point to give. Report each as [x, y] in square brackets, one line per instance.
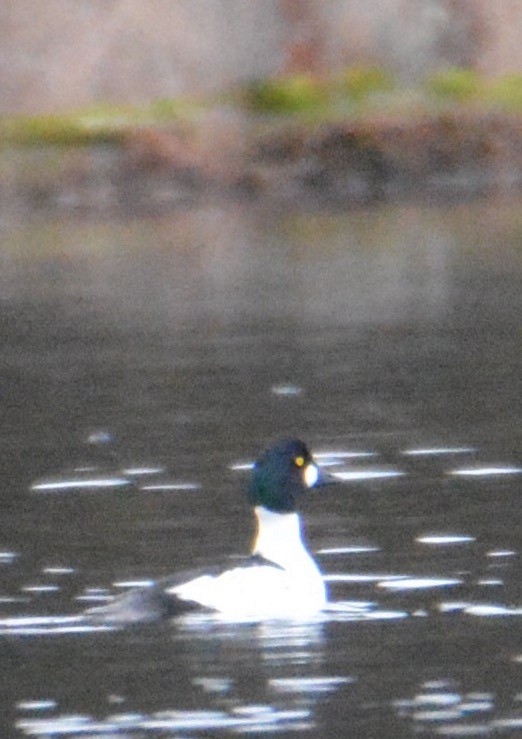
[389, 339]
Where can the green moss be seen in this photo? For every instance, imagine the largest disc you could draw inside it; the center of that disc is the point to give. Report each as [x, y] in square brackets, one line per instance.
[298, 94]
[308, 94]
[174, 109]
[455, 84]
[80, 128]
[506, 91]
[359, 83]
[97, 124]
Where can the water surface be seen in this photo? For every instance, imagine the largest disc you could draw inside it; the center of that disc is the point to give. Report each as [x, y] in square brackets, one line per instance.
[390, 340]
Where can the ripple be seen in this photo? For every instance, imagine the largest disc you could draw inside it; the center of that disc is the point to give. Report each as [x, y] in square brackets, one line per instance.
[492, 609]
[36, 705]
[479, 609]
[287, 390]
[133, 583]
[52, 485]
[97, 591]
[349, 550]
[214, 684]
[457, 730]
[326, 455]
[350, 606]
[486, 471]
[362, 611]
[7, 558]
[433, 451]
[490, 581]
[444, 539]
[308, 684]
[437, 684]
[437, 714]
[452, 606]
[40, 588]
[136, 471]
[58, 570]
[418, 583]
[92, 598]
[385, 615]
[171, 486]
[508, 723]
[447, 712]
[247, 718]
[360, 577]
[438, 699]
[501, 553]
[371, 474]
[42, 625]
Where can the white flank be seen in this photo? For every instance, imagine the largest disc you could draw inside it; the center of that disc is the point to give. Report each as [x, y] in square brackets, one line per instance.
[293, 590]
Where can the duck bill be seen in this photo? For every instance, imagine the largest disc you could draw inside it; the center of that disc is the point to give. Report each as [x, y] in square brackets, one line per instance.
[315, 477]
[325, 478]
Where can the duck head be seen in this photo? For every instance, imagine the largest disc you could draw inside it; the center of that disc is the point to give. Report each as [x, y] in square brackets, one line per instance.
[282, 474]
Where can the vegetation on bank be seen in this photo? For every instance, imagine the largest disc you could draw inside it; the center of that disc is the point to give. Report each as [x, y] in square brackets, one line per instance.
[366, 91]
[357, 137]
[355, 94]
[106, 123]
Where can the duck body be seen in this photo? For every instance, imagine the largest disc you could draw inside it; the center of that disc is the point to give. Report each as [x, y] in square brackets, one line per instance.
[279, 580]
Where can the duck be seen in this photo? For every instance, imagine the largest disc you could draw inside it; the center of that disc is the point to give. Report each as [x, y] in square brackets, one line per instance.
[279, 579]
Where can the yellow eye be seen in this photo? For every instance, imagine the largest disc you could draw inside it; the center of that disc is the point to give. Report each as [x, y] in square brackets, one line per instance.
[299, 461]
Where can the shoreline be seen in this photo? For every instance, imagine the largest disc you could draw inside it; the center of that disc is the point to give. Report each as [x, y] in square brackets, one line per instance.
[173, 154]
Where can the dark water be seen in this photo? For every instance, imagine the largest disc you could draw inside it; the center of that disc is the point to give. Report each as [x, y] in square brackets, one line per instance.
[390, 340]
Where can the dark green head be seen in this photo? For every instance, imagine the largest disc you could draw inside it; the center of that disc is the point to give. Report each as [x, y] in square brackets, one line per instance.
[281, 474]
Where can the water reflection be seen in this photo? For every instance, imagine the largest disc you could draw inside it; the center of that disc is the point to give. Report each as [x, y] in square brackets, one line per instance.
[96, 478]
[58, 570]
[487, 471]
[302, 685]
[480, 609]
[389, 338]
[47, 625]
[352, 475]
[286, 390]
[439, 451]
[82, 483]
[281, 702]
[440, 709]
[8, 557]
[418, 583]
[244, 719]
[351, 549]
[445, 539]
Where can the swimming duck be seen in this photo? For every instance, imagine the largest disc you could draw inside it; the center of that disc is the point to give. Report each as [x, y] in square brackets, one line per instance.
[280, 578]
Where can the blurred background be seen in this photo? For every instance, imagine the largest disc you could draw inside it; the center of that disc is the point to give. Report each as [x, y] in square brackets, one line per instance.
[61, 54]
[342, 102]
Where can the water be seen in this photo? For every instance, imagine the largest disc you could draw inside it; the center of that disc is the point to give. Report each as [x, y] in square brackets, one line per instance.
[390, 340]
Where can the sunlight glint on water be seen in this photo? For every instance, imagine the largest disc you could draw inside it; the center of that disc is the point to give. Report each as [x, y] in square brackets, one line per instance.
[388, 338]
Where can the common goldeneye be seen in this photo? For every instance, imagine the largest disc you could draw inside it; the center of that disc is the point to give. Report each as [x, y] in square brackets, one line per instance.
[279, 580]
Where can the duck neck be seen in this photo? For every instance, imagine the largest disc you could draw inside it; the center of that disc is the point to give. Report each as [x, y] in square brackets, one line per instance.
[279, 538]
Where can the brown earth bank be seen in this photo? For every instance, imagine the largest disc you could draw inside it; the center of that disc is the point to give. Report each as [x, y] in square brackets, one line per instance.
[340, 164]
